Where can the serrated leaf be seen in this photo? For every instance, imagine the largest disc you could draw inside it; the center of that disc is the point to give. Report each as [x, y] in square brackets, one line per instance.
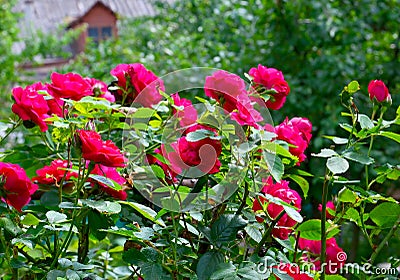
[106, 181]
[385, 214]
[207, 264]
[391, 135]
[253, 230]
[292, 213]
[226, 228]
[311, 230]
[143, 113]
[346, 195]
[365, 121]
[106, 207]
[275, 165]
[325, 153]
[55, 217]
[147, 212]
[30, 220]
[337, 165]
[303, 183]
[223, 270]
[201, 134]
[360, 158]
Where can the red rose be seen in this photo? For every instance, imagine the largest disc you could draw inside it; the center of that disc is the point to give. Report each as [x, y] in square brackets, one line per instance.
[329, 205]
[110, 173]
[245, 113]
[53, 173]
[170, 175]
[378, 91]
[140, 84]
[16, 187]
[188, 114]
[293, 270]
[297, 132]
[202, 154]
[69, 85]
[99, 151]
[280, 190]
[100, 89]
[335, 256]
[270, 78]
[31, 105]
[225, 88]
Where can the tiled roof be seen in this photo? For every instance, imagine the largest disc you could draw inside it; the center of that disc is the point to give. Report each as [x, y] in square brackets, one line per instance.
[48, 15]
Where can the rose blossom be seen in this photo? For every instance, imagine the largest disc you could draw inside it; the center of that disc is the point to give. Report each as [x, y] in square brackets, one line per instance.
[297, 132]
[188, 114]
[245, 113]
[329, 205]
[335, 256]
[202, 154]
[280, 190]
[100, 89]
[110, 173]
[53, 173]
[15, 186]
[141, 85]
[378, 91]
[31, 105]
[265, 78]
[293, 270]
[70, 85]
[99, 151]
[225, 88]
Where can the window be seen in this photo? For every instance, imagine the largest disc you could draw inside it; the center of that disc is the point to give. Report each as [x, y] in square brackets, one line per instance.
[100, 33]
[106, 32]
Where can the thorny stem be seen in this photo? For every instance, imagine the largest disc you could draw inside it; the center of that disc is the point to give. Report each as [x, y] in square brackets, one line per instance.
[11, 130]
[268, 231]
[323, 221]
[384, 241]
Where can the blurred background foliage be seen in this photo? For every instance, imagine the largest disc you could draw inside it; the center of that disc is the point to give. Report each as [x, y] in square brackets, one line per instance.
[320, 46]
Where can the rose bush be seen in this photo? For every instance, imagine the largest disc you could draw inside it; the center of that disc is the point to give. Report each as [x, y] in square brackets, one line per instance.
[129, 181]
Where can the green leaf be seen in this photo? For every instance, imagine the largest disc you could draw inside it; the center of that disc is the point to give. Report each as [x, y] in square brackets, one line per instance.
[207, 264]
[353, 87]
[154, 271]
[147, 212]
[106, 181]
[253, 230]
[55, 217]
[223, 270]
[311, 230]
[303, 183]
[292, 213]
[97, 223]
[385, 214]
[274, 164]
[135, 257]
[201, 134]
[50, 200]
[106, 207]
[158, 171]
[145, 233]
[337, 165]
[391, 135]
[143, 113]
[226, 228]
[360, 158]
[325, 153]
[30, 220]
[365, 121]
[346, 195]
